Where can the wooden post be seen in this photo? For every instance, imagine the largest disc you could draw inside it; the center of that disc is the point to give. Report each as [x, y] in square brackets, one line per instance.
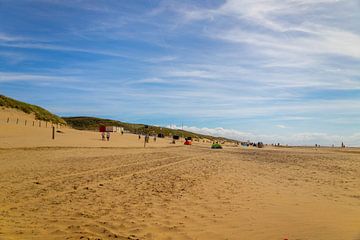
[17, 121]
[33, 123]
[53, 132]
[46, 124]
[25, 122]
[39, 123]
[8, 120]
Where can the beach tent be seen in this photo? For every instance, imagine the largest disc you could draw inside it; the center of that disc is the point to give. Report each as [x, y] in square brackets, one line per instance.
[188, 141]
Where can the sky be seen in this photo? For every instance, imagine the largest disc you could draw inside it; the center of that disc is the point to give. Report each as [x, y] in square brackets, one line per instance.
[284, 71]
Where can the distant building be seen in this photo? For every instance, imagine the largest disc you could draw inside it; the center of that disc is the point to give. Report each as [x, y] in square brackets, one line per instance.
[111, 129]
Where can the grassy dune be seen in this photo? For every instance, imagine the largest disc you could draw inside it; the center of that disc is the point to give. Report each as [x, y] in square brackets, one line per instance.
[92, 123]
[39, 112]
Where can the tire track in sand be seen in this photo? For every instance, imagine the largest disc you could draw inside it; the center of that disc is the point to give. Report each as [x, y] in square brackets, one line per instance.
[96, 183]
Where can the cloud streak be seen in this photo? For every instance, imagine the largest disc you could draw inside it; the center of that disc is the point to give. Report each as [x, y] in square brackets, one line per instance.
[36, 78]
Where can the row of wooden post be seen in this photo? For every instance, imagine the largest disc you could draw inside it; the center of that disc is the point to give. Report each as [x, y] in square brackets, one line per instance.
[33, 123]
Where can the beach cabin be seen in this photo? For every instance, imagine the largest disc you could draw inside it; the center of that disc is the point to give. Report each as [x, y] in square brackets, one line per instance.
[111, 129]
[114, 129]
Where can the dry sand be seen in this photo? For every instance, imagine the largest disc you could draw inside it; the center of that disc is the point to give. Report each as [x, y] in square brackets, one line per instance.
[78, 187]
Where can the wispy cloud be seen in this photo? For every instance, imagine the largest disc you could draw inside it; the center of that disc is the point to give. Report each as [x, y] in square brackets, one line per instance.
[14, 58]
[46, 46]
[283, 25]
[192, 74]
[4, 37]
[317, 41]
[36, 78]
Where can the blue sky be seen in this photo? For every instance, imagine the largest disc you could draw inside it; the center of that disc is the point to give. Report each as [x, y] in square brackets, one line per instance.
[275, 71]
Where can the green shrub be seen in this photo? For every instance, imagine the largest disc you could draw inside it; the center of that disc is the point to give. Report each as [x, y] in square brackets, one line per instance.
[216, 146]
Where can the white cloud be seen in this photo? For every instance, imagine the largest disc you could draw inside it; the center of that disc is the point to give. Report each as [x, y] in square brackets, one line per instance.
[14, 58]
[301, 139]
[46, 46]
[287, 25]
[13, 76]
[9, 38]
[149, 81]
[319, 40]
[162, 59]
[298, 36]
[218, 132]
[191, 73]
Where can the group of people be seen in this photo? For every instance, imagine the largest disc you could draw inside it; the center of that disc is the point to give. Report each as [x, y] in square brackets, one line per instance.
[147, 137]
[107, 135]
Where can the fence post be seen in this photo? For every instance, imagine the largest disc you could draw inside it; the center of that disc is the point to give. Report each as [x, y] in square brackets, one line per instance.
[39, 123]
[33, 123]
[53, 132]
[25, 122]
[8, 120]
[46, 124]
[17, 121]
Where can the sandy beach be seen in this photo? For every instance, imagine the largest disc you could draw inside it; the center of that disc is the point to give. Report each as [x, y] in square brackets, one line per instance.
[179, 120]
[79, 187]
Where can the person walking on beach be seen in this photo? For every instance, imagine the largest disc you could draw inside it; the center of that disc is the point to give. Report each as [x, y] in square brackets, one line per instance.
[103, 136]
[108, 136]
